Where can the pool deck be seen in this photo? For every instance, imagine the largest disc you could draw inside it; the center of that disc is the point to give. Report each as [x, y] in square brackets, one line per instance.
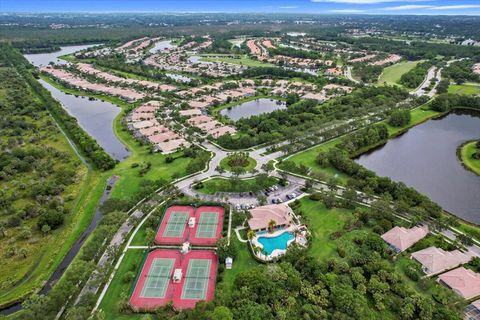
[277, 252]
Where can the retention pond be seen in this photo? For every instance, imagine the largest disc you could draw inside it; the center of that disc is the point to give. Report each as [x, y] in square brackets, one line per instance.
[425, 158]
[253, 108]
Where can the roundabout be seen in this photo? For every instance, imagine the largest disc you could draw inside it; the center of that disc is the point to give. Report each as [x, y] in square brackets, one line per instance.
[237, 163]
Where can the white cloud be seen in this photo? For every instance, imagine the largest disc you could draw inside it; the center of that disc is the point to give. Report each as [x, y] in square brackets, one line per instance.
[346, 11]
[367, 1]
[288, 7]
[405, 7]
[461, 6]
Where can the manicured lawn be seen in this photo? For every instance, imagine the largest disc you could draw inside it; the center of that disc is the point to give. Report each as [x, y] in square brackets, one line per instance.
[322, 222]
[140, 236]
[249, 166]
[119, 290]
[224, 185]
[242, 262]
[308, 159]
[468, 88]
[243, 60]
[391, 75]
[466, 152]
[418, 116]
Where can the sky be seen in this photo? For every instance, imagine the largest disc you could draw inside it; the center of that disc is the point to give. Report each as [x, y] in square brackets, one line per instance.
[427, 7]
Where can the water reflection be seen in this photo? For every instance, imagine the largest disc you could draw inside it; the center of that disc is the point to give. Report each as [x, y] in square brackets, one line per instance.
[425, 158]
[252, 108]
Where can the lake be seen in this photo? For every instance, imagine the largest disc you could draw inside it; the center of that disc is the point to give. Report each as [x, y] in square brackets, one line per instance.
[425, 158]
[95, 117]
[161, 45]
[253, 108]
[43, 59]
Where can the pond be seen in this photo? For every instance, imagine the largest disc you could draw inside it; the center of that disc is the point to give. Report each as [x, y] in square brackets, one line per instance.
[95, 117]
[253, 108]
[425, 158]
[161, 45]
[178, 77]
[43, 59]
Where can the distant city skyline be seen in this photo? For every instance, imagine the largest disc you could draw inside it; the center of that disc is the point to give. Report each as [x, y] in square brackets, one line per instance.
[417, 7]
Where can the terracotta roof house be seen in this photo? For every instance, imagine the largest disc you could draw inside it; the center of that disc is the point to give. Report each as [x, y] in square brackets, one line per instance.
[436, 260]
[464, 282]
[199, 119]
[171, 145]
[162, 137]
[209, 125]
[400, 238]
[198, 104]
[261, 216]
[220, 131]
[190, 112]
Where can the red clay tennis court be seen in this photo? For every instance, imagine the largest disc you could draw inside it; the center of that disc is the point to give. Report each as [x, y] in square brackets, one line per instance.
[155, 286]
[206, 228]
[173, 228]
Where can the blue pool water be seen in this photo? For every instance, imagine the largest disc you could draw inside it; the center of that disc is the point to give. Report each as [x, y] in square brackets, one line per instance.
[278, 242]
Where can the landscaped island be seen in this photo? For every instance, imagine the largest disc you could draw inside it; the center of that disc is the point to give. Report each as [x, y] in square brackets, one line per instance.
[469, 154]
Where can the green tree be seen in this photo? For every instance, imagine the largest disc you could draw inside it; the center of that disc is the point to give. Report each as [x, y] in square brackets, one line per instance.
[222, 313]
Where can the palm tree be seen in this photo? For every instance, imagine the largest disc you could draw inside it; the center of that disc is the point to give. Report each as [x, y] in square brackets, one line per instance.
[251, 234]
[271, 226]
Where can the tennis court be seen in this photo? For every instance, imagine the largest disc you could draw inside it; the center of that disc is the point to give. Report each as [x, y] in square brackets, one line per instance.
[173, 227]
[176, 224]
[196, 280]
[207, 225]
[157, 278]
[154, 287]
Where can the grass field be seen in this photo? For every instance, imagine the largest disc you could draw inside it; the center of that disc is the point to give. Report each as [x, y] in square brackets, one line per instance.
[466, 152]
[391, 75]
[322, 222]
[214, 185]
[242, 262]
[468, 88]
[118, 292]
[242, 60]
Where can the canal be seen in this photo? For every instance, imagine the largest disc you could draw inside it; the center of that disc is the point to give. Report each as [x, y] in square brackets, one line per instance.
[94, 116]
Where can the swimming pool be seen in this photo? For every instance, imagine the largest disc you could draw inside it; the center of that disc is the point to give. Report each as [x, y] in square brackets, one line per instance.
[278, 242]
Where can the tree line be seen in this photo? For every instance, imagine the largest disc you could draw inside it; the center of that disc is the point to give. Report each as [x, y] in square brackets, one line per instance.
[85, 143]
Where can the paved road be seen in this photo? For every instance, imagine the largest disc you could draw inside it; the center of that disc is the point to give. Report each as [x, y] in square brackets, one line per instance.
[348, 74]
[422, 89]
